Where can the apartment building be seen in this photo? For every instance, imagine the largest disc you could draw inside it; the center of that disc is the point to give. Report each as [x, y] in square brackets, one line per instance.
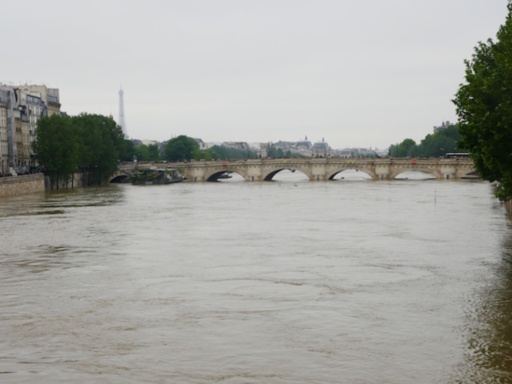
[49, 96]
[4, 151]
[22, 137]
[20, 109]
[35, 108]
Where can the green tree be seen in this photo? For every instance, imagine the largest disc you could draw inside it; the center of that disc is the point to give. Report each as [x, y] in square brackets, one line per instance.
[404, 149]
[225, 153]
[148, 152]
[439, 143]
[142, 152]
[433, 145]
[275, 152]
[90, 143]
[127, 151]
[153, 152]
[181, 148]
[484, 108]
[101, 142]
[206, 155]
[452, 132]
[56, 148]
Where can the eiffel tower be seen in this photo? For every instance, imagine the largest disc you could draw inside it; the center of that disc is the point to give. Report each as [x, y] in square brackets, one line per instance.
[121, 121]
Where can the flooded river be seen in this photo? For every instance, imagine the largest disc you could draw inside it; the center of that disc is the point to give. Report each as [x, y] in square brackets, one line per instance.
[274, 282]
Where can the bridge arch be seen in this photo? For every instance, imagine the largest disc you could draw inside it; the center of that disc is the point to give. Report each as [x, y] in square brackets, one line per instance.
[471, 175]
[416, 175]
[213, 174]
[426, 171]
[351, 171]
[268, 171]
[270, 176]
[220, 175]
[120, 177]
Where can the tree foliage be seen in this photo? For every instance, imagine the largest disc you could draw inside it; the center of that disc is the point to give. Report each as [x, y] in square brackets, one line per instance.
[225, 153]
[127, 151]
[100, 141]
[56, 147]
[439, 143]
[184, 148]
[484, 107]
[404, 149]
[153, 152]
[181, 148]
[145, 152]
[275, 152]
[87, 143]
[433, 145]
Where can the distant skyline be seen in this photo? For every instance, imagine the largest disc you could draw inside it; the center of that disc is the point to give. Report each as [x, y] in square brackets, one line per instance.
[359, 73]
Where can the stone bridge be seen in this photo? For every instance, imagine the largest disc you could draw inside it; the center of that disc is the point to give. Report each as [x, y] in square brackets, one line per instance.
[316, 169]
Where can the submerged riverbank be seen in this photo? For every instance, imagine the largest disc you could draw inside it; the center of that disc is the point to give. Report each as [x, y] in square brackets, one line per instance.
[21, 185]
[37, 183]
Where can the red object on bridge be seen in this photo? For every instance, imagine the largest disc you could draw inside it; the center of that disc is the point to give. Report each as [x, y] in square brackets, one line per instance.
[413, 161]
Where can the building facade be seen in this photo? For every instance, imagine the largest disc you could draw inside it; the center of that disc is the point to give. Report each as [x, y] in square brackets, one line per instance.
[4, 143]
[321, 149]
[444, 125]
[21, 107]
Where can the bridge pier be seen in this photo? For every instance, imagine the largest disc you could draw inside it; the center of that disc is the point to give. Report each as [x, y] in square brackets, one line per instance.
[252, 178]
[448, 172]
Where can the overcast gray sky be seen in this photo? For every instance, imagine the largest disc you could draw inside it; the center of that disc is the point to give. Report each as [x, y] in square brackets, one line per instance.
[359, 73]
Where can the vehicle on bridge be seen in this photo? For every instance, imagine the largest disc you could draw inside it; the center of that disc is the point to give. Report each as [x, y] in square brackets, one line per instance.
[457, 155]
[156, 176]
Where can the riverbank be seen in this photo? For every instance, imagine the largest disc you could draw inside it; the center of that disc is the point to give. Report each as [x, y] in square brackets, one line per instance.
[508, 206]
[21, 185]
[36, 183]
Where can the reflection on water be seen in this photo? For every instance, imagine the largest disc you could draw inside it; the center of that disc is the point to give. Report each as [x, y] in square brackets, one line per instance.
[352, 175]
[489, 326]
[347, 175]
[415, 175]
[234, 282]
[56, 202]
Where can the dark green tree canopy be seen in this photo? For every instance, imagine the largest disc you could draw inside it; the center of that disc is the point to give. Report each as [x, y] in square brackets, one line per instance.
[225, 153]
[143, 152]
[484, 107]
[88, 143]
[127, 151]
[181, 148]
[433, 145]
[101, 142]
[404, 149]
[56, 147]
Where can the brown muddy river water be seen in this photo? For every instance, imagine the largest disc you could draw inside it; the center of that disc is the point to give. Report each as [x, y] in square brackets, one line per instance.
[275, 282]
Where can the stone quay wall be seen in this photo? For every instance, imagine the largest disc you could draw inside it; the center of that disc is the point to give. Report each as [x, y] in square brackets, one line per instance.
[77, 180]
[508, 207]
[21, 185]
